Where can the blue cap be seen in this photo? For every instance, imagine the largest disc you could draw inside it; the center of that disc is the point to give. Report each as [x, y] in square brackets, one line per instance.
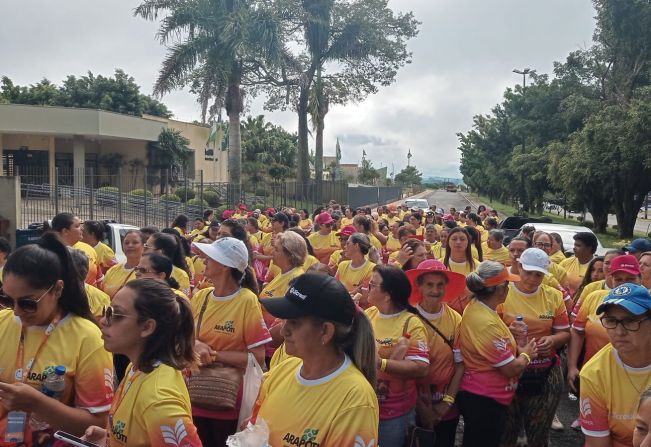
[639, 246]
[634, 298]
[60, 370]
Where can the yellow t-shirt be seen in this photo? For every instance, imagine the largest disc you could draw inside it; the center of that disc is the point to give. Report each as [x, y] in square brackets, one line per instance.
[116, 277]
[305, 224]
[199, 268]
[190, 264]
[575, 272]
[94, 275]
[154, 411]
[279, 356]
[97, 300]
[266, 245]
[459, 304]
[180, 230]
[182, 278]
[588, 322]
[441, 357]
[610, 392]
[105, 256]
[346, 221]
[329, 242]
[438, 252]
[557, 257]
[499, 255]
[375, 242]
[462, 267]
[397, 396]
[558, 272]
[485, 351]
[340, 409]
[75, 343]
[198, 233]
[587, 290]
[335, 258]
[354, 277]
[392, 244]
[230, 323]
[274, 270]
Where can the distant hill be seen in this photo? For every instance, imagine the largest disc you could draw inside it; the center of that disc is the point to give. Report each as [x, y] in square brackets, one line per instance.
[434, 179]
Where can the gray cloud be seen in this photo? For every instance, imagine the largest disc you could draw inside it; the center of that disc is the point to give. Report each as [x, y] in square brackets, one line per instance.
[462, 64]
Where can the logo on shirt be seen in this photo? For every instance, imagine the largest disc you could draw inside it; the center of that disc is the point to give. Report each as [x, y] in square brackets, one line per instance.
[40, 377]
[585, 408]
[359, 442]
[176, 435]
[307, 439]
[546, 316]
[501, 344]
[385, 341]
[226, 327]
[118, 430]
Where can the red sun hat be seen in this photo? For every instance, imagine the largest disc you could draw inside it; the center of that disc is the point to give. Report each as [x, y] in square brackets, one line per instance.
[456, 281]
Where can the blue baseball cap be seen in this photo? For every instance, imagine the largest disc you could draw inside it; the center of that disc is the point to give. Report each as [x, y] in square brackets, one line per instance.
[639, 246]
[634, 298]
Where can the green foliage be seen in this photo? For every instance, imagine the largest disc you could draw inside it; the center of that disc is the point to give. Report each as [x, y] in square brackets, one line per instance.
[220, 210]
[261, 192]
[367, 173]
[265, 146]
[170, 198]
[198, 202]
[211, 197]
[140, 192]
[409, 176]
[185, 193]
[109, 189]
[118, 94]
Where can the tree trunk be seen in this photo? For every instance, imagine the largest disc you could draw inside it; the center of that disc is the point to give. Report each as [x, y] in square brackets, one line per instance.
[626, 212]
[303, 172]
[234, 105]
[599, 211]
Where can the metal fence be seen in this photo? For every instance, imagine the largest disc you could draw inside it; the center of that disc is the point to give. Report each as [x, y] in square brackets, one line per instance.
[144, 196]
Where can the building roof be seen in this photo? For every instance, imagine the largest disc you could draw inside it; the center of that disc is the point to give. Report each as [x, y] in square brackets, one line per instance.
[70, 121]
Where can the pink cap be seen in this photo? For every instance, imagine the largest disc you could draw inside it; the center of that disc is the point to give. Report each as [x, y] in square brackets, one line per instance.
[324, 219]
[625, 263]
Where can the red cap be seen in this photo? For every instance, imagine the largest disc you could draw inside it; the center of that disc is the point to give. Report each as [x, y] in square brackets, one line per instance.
[348, 230]
[324, 219]
[242, 206]
[227, 214]
[625, 263]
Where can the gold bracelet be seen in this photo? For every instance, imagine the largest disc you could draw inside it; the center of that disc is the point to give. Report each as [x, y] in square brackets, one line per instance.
[448, 399]
[526, 356]
[383, 365]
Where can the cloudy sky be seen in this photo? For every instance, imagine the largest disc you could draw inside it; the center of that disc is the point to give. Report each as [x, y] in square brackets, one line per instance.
[462, 62]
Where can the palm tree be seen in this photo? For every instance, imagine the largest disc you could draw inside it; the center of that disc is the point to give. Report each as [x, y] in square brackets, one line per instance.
[217, 46]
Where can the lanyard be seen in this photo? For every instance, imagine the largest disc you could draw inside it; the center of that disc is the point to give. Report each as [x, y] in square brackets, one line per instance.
[123, 389]
[22, 370]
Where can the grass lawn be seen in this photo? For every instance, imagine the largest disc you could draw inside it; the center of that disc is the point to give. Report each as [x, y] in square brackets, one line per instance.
[609, 239]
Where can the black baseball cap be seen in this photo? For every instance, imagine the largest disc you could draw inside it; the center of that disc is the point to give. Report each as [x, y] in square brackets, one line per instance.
[280, 217]
[315, 295]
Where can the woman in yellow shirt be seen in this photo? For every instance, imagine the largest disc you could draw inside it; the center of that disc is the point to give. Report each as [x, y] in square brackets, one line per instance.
[93, 234]
[349, 214]
[154, 328]
[355, 273]
[458, 258]
[157, 266]
[645, 269]
[305, 223]
[46, 323]
[494, 249]
[118, 275]
[229, 325]
[557, 254]
[97, 299]
[612, 381]
[332, 369]
[180, 224]
[170, 246]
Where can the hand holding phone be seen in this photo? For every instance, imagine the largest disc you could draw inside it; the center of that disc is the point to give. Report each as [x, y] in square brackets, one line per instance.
[73, 440]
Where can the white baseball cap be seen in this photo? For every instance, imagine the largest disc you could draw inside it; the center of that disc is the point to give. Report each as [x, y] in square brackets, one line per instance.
[227, 251]
[535, 260]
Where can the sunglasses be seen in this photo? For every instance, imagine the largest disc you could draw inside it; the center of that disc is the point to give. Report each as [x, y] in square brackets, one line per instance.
[142, 270]
[109, 315]
[27, 305]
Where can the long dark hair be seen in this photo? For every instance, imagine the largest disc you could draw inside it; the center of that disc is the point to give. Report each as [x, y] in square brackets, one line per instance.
[239, 232]
[171, 247]
[46, 262]
[60, 222]
[397, 285]
[181, 221]
[469, 258]
[96, 228]
[475, 239]
[181, 240]
[172, 342]
[413, 244]
[162, 264]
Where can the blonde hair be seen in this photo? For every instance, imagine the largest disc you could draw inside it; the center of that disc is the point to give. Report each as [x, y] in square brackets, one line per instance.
[294, 247]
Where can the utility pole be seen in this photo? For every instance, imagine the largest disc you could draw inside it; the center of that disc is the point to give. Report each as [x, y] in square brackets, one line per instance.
[409, 158]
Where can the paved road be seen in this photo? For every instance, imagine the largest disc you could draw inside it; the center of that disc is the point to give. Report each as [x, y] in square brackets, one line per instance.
[446, 200]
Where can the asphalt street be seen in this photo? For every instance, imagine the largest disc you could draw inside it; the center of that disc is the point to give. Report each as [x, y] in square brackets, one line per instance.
[568, 409]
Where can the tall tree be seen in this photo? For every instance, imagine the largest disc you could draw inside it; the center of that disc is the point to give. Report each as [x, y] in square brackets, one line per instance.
[410, 175]
[216, 46]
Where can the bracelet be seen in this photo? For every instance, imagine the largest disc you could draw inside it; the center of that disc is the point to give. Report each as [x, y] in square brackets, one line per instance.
[448, 399]
[383, 365]
[526, 356]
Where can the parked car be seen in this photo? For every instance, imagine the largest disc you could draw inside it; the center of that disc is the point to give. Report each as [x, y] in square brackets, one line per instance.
[421, 204]
[115, 233]
[511, 225]
[567, 233]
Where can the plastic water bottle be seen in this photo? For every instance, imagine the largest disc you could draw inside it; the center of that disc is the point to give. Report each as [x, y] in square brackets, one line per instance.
[524, 338]
[53, 387]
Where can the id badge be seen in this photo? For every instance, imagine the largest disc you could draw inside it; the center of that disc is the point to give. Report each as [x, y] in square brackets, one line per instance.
[16, 421]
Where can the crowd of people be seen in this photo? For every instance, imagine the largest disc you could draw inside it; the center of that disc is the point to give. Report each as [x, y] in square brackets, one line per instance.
[375, 327]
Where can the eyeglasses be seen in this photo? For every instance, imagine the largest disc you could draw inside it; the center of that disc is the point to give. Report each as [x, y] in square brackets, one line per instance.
[372, 285]
[146, 245]
[142, 270]
[542, 245]
[27, 305]
[109, 315]
[628, 324]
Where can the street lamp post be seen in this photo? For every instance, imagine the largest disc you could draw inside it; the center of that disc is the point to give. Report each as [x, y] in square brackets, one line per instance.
[524, 73]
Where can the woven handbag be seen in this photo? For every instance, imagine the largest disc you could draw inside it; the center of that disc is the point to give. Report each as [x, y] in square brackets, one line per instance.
[214, 387]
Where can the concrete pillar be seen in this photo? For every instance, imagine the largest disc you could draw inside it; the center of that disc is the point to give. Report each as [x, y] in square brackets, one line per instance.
[51, 159]
[79, 160]
[10, 208]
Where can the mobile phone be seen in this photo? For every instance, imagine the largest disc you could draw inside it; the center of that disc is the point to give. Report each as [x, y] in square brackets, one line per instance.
[73, 440]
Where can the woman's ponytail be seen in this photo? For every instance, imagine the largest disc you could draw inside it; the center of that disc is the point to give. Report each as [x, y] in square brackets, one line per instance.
[184, 340]
[358, 342]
